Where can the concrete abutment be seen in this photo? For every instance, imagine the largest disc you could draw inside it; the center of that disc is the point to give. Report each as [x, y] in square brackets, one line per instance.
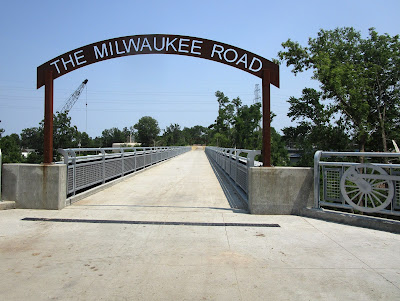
[35, 186]
[272, 190]
[280, 190]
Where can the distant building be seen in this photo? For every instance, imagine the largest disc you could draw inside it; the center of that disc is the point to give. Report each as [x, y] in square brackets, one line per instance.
[26, 152]
[294, 154]
[126, 144]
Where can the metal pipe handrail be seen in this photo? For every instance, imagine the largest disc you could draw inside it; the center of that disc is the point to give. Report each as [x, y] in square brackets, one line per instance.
[325, 154]
[236, 166]
[71, 152]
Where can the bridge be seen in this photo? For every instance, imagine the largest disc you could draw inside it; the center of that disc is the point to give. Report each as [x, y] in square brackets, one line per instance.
[178, 231]
[184, 183]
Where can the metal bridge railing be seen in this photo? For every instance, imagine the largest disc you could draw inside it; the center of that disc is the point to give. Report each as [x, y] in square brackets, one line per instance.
[103, 164]
[364, 187]
[235, 165]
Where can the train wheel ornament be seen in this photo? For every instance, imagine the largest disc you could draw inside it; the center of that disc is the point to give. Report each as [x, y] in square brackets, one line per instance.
[367, 187]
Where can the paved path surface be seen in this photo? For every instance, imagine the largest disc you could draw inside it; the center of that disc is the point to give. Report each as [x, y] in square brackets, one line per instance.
[303, 259]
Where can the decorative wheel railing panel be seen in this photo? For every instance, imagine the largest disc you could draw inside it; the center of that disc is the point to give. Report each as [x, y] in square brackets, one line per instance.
[370, 188]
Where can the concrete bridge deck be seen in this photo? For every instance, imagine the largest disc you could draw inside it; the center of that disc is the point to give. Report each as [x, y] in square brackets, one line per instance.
[170, 233]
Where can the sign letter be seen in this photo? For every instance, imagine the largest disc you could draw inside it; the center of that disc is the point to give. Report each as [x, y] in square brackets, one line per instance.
[194, 46]
[128, 48]
[234, 58]
[77, 58]
[243, 60]
[252, 65]
[183, 45]
[155, 44]
[214, 50]
[103, 51]
[117, 50]
[55, 64]
[111, 50]
[170, 44]
[145, 44]
[70, 61]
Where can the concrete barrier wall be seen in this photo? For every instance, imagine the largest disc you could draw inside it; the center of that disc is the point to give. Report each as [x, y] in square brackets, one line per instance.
[280, 190]
[35, 186]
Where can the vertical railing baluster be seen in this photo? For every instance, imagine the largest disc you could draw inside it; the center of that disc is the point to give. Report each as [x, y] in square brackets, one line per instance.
[317, 157]
[73, 155]
[103, 152]
[122, 161]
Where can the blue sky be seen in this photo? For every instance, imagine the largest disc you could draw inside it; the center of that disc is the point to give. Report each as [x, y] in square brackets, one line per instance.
[172, 89]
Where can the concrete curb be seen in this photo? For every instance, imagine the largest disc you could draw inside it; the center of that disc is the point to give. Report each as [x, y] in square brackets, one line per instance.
[369, 222]
[5, 205]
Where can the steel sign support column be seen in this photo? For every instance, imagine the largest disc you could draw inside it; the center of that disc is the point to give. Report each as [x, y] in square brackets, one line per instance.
[48, 118]
[266, 105]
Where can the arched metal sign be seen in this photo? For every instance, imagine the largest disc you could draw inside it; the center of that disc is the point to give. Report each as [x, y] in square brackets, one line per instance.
[157, 44]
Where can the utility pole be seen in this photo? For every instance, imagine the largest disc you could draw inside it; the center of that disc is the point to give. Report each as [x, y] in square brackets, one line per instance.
[257, 97]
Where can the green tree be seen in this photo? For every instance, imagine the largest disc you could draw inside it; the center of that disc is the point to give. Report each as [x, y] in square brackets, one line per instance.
[96, 142]
[84, 140]
[222, 128]
[34, 158]
[173, 135]
[315, 129]
[361, 77]
[221, 140]
[113, 135]
[65, 135]
[247, 133]
[32, 138]
[382, 62]
[11, 149]
[147, 131]
[129, 134]
[1, 131]
[279, 153]
[195, 135]
[238, 125]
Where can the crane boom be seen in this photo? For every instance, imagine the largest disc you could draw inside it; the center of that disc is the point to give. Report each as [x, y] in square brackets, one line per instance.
[73, 98]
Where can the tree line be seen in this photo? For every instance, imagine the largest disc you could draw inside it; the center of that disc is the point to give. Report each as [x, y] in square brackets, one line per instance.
[146, 131]
[236, 125]
[356, 107]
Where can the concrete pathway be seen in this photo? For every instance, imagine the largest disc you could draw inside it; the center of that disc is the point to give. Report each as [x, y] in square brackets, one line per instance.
[80, 255]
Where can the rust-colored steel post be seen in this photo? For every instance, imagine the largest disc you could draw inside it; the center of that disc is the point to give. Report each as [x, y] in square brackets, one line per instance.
[48, 118]
[266, 101]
